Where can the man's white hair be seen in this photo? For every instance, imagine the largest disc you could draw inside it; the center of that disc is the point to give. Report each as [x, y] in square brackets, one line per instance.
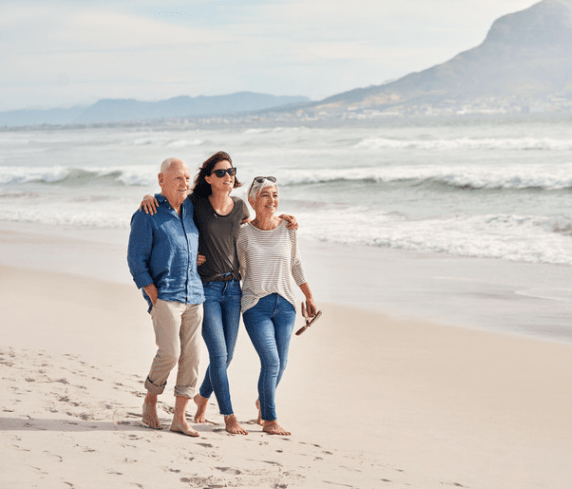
[168, 162]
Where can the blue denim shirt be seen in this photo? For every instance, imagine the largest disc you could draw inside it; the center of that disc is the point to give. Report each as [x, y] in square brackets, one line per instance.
[163, 250]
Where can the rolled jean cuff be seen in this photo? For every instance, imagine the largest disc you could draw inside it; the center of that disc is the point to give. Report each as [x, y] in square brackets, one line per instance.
[184, 391]
[153, 388]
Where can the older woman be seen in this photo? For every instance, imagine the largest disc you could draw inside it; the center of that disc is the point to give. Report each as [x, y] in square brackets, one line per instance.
[269, 264]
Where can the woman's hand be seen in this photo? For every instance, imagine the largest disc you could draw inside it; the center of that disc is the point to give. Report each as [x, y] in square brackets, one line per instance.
[201, 259]
[311, 307]
[149, 204]
[291, 220]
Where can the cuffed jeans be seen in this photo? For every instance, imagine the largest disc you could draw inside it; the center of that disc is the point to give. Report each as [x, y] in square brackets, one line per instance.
[177, 333]
[220, 330]
[270, 324]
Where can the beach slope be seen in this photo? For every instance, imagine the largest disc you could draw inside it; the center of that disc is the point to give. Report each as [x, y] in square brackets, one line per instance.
[372, 401]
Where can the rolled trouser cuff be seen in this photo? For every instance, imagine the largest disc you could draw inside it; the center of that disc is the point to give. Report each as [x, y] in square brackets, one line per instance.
[153, 388]
[185, 391]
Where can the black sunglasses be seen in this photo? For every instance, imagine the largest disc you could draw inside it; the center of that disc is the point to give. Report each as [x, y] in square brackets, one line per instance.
[220, 173]
[261, 179]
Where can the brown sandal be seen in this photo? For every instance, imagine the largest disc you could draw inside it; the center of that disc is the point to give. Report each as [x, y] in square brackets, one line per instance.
[309, 321]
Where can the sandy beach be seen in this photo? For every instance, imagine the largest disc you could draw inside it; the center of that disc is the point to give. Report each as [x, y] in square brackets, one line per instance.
[373, 400]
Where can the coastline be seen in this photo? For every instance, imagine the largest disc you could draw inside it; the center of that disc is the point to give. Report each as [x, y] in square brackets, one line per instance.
[525, 299]
[373, 400]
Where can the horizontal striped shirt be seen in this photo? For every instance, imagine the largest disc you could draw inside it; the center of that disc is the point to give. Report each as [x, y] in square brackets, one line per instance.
[269, 263]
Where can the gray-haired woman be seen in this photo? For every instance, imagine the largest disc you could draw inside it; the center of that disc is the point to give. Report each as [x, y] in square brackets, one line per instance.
[269, 264]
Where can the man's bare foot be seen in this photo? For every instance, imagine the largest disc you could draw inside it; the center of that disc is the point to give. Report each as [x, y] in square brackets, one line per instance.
[179, 424]
[259, 420]
[150, 417]
[183, 427]
[202, 403]
[233, 427]
[273, 428]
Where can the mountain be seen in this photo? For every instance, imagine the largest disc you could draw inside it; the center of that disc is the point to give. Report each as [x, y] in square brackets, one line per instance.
[525, 60]
[124, 110]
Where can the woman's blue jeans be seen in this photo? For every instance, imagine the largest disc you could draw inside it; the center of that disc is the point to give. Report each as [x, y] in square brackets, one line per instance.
[270, 324]
[221, 317]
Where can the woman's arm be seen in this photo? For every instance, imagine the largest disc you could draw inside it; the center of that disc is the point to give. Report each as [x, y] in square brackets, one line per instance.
[311, 307]
[241, 252]
[149, 204]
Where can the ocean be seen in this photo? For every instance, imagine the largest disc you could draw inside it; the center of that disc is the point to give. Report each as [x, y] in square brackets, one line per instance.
[490, 187]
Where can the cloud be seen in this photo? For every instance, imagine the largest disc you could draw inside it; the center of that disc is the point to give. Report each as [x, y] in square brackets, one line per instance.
[98, 48]
[63, 52]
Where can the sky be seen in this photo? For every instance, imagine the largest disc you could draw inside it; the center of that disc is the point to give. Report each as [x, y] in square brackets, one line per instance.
[62, 53]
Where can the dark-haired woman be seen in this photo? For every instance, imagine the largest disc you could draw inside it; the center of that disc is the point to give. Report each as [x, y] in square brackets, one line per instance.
[218, 217]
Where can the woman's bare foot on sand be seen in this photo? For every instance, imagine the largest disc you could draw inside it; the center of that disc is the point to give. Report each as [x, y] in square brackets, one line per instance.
[150, 417]
[202, 403]
[259, 420]
[233, 427]
[273, 428]
[181, 426]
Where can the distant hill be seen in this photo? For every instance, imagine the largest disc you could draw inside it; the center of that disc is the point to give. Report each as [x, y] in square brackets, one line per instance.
[126, 110]
[525, 59]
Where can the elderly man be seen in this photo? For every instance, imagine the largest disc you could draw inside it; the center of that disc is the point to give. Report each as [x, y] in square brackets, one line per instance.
[162, 257]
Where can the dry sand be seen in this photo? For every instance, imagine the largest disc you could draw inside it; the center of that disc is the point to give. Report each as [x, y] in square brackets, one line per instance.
[372, 401]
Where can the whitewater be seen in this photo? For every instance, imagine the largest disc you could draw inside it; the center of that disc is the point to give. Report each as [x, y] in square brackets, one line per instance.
[489, 188]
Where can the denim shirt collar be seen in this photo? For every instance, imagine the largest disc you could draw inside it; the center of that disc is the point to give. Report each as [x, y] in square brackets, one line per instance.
[163, 201]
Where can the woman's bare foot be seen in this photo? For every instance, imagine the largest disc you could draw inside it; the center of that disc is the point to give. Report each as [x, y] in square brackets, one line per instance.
[150, 417]
[233, 427]
[273, 428]
[181, 426]
[202, 403]
[259, 420]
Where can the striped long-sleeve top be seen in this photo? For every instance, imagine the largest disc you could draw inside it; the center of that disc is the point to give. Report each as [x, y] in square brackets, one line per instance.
[269, 263]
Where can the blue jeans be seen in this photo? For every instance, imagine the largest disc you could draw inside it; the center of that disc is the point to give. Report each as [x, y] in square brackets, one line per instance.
[270, 324]
[220, 331]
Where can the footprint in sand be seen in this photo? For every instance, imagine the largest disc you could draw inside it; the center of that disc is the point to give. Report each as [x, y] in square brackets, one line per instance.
[59, 457]
[229, 470]
[272, 463]
[206, 482]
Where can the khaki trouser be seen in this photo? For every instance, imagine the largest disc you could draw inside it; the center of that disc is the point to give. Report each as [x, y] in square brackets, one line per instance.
[177, 333]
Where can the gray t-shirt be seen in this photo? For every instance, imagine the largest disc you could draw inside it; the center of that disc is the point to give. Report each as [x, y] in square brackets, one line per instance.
[217, 237]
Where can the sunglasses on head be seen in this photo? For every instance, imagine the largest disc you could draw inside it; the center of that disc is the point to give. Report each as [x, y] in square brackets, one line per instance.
[220, 173]
[261, 179]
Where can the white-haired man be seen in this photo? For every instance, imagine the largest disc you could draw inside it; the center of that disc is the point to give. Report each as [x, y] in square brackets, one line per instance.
[162, 258]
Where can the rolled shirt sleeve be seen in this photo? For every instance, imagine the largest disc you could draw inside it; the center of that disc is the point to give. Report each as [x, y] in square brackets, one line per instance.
[139, 249]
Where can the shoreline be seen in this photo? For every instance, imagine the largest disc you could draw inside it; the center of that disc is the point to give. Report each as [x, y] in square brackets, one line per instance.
[532, 300]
